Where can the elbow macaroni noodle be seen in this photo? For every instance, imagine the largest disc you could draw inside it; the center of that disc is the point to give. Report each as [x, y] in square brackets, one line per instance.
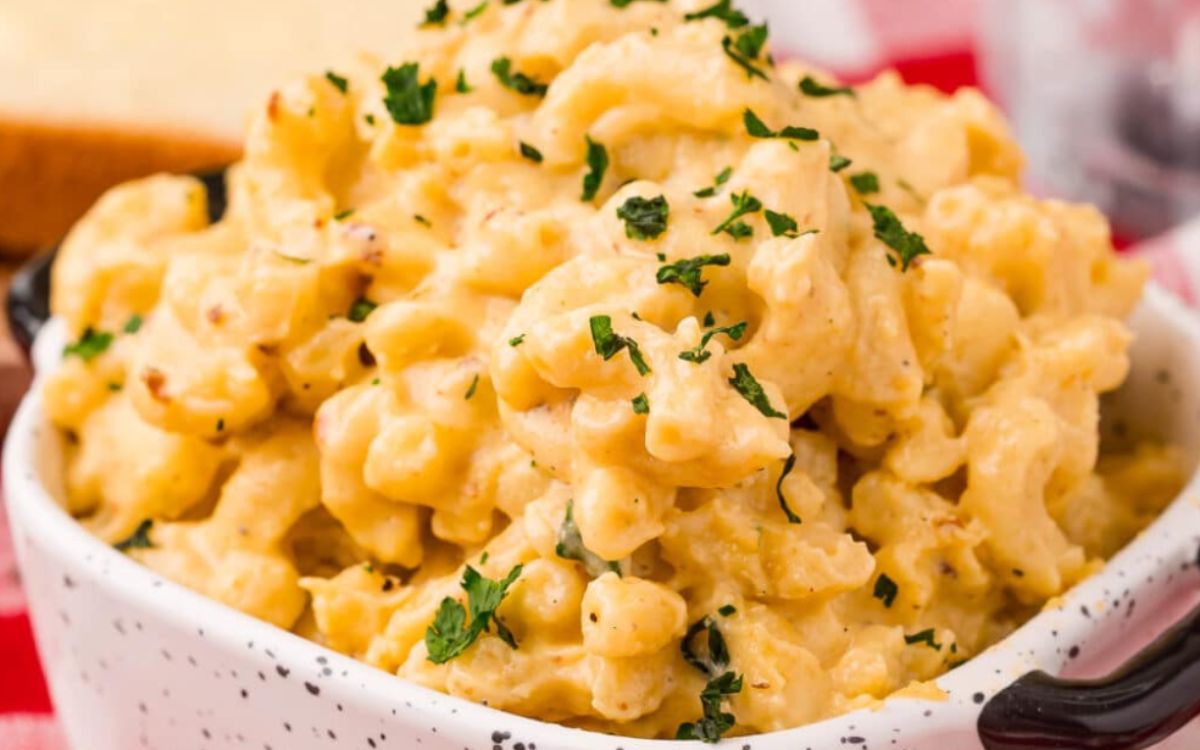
[332, 467]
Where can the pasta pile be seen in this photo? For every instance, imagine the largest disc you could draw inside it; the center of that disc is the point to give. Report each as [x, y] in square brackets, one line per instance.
[586, 362]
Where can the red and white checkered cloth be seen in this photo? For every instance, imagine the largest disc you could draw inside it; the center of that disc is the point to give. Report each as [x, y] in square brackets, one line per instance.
[927, 41]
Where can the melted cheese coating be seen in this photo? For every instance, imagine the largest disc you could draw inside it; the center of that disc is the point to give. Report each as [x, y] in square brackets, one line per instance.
[334, 473]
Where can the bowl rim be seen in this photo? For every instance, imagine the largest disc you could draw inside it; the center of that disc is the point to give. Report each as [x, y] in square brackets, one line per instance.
[1170, 539]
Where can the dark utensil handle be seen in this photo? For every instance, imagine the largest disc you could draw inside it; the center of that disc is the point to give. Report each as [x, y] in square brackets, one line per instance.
[28, 302]
[1141, 703]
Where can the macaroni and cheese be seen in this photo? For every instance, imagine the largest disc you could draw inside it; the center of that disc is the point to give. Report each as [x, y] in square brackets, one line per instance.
[588, 362]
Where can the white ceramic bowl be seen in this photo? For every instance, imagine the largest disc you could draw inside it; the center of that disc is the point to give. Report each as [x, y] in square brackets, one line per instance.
[135, 661]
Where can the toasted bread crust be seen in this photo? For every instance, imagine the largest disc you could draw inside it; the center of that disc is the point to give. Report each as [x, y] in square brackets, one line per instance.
[50, 174]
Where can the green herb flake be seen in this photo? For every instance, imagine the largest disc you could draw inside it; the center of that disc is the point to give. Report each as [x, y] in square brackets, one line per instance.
[133, 325]
[338, 82]
[343, 215]
[449, 635]
[626, 3]
[699, 353]
[91, 344]
[375, 381]
[758, 129]
[597, 161]
[530, 153]
[837, 162]
[687, 271]
[732, 51]
[644, 219]
[360, 309]
[475, 12]
[926, 637]
[471, 389]
[721, 178]
[436, 14]
[781, 225]
[788, 465]
[809, 86]
[139, 539]
[460, 84]
[722, 10]
[886, 591]
[484, 558]
[570, 547]
[116, 387]
[422, 220]
[888, 229]
[744, 383]
[721, 684]
[518, 82]
[709, 320]
[641, 404]
[727, 611]
[751, 41]
[866, 183]
[369, 118]
[408, 101]
[608, 344]
[743, 204]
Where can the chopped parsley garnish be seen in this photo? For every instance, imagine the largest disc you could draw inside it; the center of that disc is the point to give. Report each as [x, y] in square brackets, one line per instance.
[473, 12]
[344, 214]
[907, 245]
[449, 635]
[408, 101]
[139, 539]
[743, 203]
[737, 50]
[360, 309]
[641, 404]
[516, 340]
[597, 161]
[570, 547]
[714, 722]
[608, 344]
[886, 590]
[699, 353]
[788, 465]
[809, 86]
[686, 272]
[436, 14]
[460, 83]
[722, 682]
[722, 10]
[709, 320]
[116, 387]
[530, 153]
[782, 225]
[626, 3]
[758, 129]
[422, 220]
[644, 219]
[727, 610]
[471, 389]
[518, 82]
[722, 177]
[926, 637]
[339, 82]
[133, 325]
[865, 183]
[91, 344]
[292, 258]
[837, 162]
[744, 383]
[369, 118]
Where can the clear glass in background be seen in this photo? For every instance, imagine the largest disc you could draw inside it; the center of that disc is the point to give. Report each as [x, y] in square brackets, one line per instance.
[1105, 98]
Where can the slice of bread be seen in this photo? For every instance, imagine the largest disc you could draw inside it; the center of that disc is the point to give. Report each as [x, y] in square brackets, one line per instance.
[98, 91]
